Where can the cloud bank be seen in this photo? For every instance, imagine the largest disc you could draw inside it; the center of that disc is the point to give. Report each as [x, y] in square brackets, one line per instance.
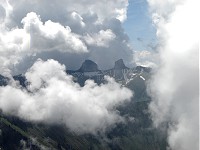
[175, 86]
[146, 58]
[62, 30]
[36, 37]
[53, 97]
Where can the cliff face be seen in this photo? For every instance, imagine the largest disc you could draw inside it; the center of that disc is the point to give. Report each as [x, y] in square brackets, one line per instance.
[119, 64]
[135, 134]
[88, 66]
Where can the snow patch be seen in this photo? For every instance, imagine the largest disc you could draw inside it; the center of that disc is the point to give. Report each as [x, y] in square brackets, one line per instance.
[142, 78]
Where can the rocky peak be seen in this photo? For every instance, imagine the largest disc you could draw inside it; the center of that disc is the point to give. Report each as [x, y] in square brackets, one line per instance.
[88, 66]
[3, 80]
[119, 64]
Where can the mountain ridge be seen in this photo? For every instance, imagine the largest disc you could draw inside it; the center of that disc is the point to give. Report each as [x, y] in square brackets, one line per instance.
[136, 134]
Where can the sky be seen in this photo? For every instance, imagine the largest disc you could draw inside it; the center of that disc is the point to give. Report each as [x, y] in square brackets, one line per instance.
[139, 26]
[102, 36]
[42, 40]
[78, 34]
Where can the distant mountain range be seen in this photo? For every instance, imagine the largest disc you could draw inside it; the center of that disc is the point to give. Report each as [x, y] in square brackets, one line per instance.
[136, 135]
[134, 78]
[121, 73]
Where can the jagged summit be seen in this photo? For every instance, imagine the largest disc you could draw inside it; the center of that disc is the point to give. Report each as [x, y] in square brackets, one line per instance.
[88, 66]
[119, 64]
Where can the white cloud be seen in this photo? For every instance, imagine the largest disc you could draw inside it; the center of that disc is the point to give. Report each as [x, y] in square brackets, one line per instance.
[2, 14]
[51, 35]
[78, 18]
[58, 10]
[64, 27]
[61, 30]
[36, 37]
[102, 38]
[53, 97]
[146, 58]
[174, 88]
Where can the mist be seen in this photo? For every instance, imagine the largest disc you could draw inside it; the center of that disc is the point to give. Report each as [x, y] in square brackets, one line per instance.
[53, 97]
[174, 87]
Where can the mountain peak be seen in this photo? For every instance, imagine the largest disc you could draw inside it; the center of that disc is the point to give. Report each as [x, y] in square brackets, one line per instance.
[119, 64]
[88, 66]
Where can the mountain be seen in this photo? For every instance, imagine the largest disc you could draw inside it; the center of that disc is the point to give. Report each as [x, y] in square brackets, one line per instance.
[133, 78]
[141, 68]
[120, 72]
[88, 66]
[134, 135]
[88, 70]
[3, 80]
[21, 79]
[119, 64]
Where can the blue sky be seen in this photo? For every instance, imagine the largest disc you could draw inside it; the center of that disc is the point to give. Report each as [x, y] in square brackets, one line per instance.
[139, 26]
